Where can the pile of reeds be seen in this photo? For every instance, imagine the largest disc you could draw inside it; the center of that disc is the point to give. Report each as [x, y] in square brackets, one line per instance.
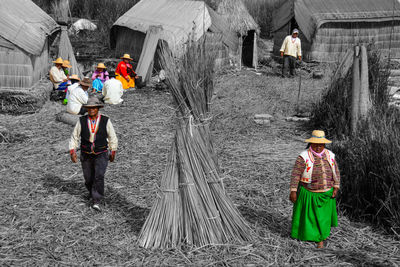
[368, 157]
[192, 206]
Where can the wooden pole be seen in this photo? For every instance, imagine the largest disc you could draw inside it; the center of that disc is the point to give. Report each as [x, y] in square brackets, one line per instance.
[365, 100]
[355, 99]
[255, 52]
[240, 52]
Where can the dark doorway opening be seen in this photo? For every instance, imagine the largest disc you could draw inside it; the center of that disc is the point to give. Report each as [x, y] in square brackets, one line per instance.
[248, 49]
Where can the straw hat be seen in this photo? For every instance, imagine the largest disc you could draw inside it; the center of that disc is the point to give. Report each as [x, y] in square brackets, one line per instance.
[127, 56]
[101, 66]
[93, 102]
[318, 137]
[66, 64]
[74, 77]
[59, 61]
[86, 81]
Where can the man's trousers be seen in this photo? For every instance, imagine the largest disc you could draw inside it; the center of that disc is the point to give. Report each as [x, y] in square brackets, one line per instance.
[94, 167]
[289, 63]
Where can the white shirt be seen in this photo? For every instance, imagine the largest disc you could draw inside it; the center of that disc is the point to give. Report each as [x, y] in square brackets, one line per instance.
[57, 75]
[291, 46]
[71, 88]
[111, 136]
[77, 98]
[112, 91]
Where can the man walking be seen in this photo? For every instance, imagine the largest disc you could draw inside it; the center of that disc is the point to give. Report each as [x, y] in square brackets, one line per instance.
[290, 51]
[97, 135]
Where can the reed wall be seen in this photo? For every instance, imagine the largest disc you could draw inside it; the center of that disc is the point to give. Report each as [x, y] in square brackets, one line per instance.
[130, 42]
[19, 69]
[332, 39]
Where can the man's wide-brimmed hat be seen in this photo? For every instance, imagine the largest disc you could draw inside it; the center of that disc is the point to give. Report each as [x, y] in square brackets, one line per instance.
[66, 64]
[101, 66]
[74, 77]
[93, 102]
[318, 137]
[295, 31]
[86, 82]
[58, 61]
[127, 56]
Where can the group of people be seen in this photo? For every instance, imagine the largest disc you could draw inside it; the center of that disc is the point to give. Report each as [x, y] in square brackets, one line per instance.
[75, 92]
[315, 179]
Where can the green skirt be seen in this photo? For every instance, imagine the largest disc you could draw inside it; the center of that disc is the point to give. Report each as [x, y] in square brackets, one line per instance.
[313, 215]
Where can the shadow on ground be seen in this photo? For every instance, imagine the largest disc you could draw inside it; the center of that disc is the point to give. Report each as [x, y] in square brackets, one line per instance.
[273, 221]
[114, 200]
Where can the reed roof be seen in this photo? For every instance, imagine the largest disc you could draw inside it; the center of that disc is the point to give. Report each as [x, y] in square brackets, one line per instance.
[237, 15]
[311, 14]
[25, 24]
[178, 19]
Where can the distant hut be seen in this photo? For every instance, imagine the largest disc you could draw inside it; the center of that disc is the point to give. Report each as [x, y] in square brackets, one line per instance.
[177, 22]
[25, 30]
[241, 22]
[328, 28]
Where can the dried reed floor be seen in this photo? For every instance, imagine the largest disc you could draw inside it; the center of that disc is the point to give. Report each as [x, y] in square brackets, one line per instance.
[45, 219]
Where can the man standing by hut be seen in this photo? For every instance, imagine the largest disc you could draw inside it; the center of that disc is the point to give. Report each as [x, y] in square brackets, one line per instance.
[290, 51]
[96, 134]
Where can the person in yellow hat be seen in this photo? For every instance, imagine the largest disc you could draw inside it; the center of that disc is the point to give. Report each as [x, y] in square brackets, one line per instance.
[125, 73]
[57, 75]
[66, 66]
[314, 185]
[99, 77]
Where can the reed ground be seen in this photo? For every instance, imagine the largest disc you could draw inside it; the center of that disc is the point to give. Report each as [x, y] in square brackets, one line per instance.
[45, 219]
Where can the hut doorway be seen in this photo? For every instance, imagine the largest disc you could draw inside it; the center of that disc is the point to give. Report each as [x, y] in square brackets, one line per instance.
[248, 48]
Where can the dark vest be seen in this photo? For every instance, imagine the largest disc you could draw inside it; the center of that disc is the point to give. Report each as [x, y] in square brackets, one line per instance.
[100, 143]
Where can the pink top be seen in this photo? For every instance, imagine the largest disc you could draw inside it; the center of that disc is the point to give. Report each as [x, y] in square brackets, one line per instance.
[103, 76]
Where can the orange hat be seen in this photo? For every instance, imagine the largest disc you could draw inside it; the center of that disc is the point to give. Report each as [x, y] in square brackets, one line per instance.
[74, 77]
[66, 64]
[127, 56]
[101, 66]
[59, 61]
[318, 137]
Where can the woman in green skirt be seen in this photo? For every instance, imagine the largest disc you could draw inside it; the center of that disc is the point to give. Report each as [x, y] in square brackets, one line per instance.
[315, 182]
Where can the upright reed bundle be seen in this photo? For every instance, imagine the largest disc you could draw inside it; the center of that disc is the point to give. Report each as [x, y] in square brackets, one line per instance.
[192, 206]
[65, 51]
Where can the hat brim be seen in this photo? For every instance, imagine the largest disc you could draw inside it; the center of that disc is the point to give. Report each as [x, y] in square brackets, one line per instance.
[100, 67]
[67, 66]
[314, 140]
[85, 84]
[126, 58]
[93, 106]
[58, 62]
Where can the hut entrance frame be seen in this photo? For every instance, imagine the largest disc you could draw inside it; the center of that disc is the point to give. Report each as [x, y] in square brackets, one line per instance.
[248, 46]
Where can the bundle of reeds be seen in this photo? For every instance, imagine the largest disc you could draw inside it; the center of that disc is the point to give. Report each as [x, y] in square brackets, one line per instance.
[65, 51]
[192, 207]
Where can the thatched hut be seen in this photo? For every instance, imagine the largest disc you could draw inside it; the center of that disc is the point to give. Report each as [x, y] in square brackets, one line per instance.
[241, 22]
[328, 28]
[25, 30]
[177, 20]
